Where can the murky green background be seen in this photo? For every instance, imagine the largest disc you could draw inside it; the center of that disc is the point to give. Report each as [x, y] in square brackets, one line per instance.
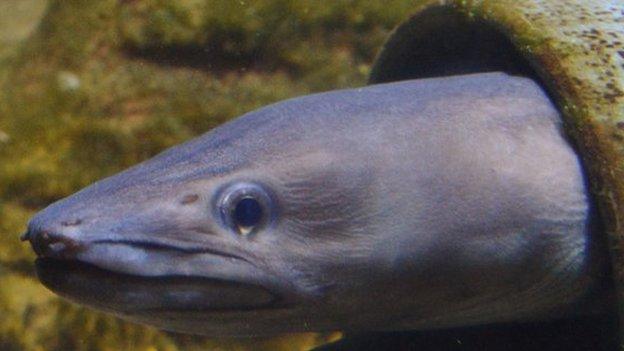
[89, 88]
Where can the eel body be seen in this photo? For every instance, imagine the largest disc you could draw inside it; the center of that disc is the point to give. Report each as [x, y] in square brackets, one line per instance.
[413, 205]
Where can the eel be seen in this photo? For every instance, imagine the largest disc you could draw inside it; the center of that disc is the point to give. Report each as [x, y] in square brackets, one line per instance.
[422, 204]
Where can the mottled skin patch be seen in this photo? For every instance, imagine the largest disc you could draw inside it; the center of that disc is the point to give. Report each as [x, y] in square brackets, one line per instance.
[577, 50]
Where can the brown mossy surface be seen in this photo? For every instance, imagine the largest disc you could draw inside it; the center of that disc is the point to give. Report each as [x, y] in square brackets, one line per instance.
[97, 86]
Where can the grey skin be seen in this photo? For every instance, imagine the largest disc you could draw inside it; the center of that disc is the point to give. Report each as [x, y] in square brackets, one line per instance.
[420, 204]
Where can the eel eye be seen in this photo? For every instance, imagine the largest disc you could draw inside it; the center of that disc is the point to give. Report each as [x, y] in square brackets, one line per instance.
[245, 207]
[247, 214]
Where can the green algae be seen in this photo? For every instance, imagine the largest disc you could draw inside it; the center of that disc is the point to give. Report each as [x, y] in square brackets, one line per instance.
[89, 88]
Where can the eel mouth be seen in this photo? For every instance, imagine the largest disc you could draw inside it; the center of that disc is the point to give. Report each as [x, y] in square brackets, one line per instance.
[128, 294]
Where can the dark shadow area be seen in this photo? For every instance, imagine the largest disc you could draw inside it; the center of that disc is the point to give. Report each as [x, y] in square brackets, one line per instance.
[21, 267]
[442, 42]
[598, 333]
[207, 58]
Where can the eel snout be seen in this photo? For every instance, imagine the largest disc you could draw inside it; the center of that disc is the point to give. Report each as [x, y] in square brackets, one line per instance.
[53, 245]
[50, 238]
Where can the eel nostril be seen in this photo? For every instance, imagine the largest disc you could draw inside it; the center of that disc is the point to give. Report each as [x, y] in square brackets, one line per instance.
[51, 245]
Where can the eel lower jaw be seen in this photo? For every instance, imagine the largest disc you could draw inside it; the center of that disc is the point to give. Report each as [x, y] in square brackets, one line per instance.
[135, 295]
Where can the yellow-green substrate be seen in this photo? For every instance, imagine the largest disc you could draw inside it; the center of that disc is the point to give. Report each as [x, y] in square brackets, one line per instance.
[101, 85]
